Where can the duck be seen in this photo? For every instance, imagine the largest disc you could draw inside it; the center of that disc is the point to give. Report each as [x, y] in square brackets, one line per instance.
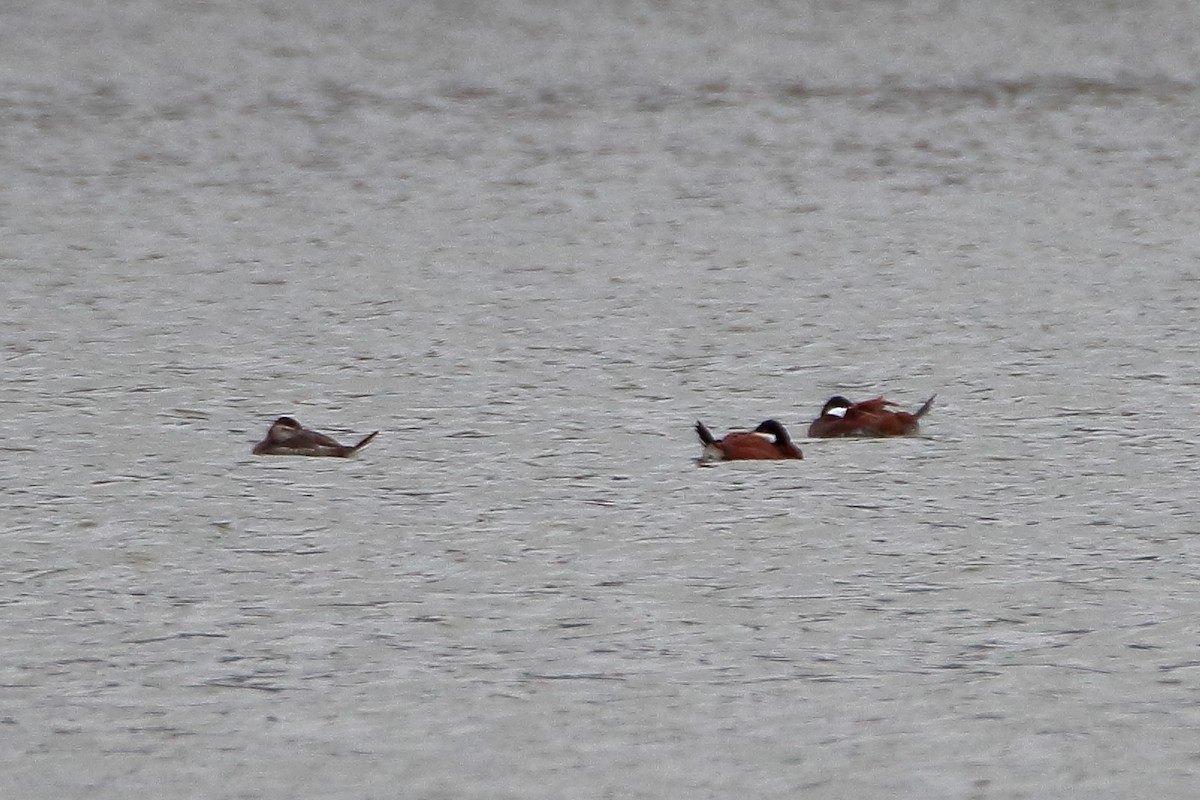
[840, 417]
[770, 440]
[287, 437]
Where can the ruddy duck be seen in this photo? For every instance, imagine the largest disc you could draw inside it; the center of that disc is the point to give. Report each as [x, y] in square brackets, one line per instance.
[768, 440]
[840, 417]
[287, 437]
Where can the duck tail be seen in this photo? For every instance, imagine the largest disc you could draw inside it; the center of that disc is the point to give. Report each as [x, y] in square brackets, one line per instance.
[923, 410]
[705, 435]
[366, 440]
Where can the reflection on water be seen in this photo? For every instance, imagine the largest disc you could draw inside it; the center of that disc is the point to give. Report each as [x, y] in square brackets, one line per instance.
[532, 246]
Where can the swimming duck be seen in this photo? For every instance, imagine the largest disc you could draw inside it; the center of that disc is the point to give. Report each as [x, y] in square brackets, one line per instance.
[768, 440]
[840, 417]
[287, 437]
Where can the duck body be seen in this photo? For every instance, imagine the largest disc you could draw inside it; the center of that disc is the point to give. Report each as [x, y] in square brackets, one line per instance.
[840, 417]
[770, 440]
[287, 437]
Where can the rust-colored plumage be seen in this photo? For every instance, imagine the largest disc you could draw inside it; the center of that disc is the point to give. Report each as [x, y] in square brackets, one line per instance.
[840, 417]
[769, 440]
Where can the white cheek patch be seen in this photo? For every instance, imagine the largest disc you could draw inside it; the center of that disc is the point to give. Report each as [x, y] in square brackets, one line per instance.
[770, 437]
[836, 412]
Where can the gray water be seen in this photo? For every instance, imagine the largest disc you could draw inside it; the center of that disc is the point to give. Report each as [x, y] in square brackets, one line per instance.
[532, 243]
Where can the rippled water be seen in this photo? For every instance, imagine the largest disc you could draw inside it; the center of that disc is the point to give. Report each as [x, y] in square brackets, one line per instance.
[533, 243]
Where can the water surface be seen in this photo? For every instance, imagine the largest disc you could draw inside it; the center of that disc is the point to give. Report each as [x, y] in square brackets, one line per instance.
[533, 243]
